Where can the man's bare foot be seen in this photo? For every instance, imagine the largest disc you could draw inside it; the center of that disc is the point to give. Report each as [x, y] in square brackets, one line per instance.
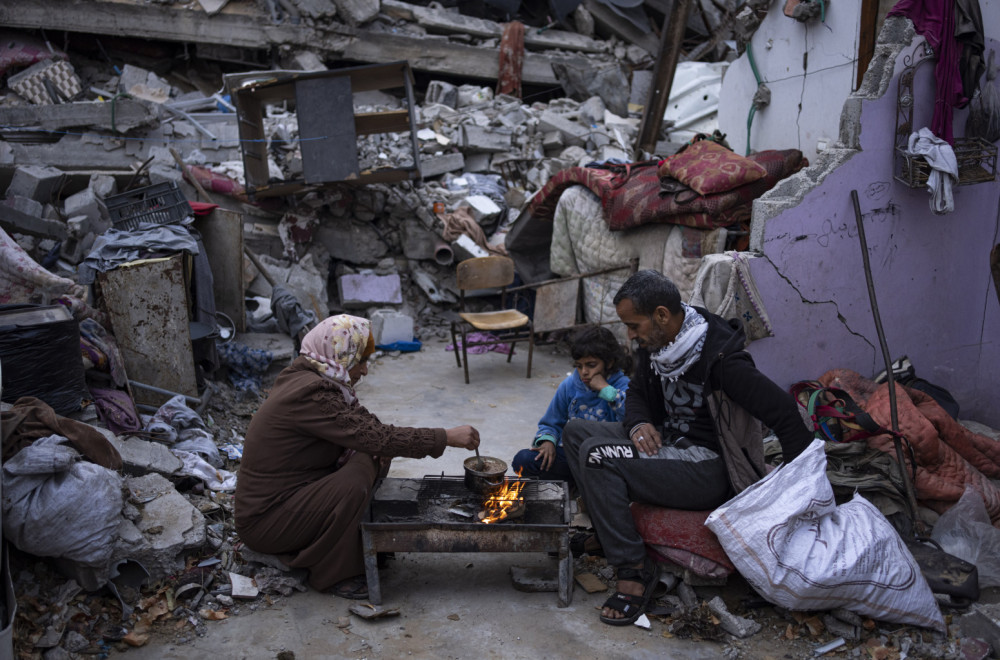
[630, 587]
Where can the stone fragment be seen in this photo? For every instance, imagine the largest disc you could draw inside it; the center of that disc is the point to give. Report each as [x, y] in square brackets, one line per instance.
[142, 456]
[142, 84]
[441, 92]
[572, 132]
[169, 524]
[466, 248]
[36, 182]
[484, 210]
[363, 289]
[477, 138]
[432, 166]
[732, 624]
[356, 12]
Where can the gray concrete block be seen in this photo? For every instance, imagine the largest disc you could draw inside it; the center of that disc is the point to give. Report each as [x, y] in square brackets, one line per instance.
[24, 205]
[169, 523]
[431, 166]
[143, 457]
[484, 210]
[36, 182]
[104, 186]
[363, 289]
[418, 241]
[441, 92]
[573, 133]
[477, 138]
[732, 624]
[87, 203]
[356, 12]
[353, 242]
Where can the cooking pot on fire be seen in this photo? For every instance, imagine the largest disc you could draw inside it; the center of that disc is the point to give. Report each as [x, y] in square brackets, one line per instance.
[484, 475]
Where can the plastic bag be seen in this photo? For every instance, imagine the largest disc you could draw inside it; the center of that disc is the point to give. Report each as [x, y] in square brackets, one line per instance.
[799, 549]
[55, 505]
[965, 531]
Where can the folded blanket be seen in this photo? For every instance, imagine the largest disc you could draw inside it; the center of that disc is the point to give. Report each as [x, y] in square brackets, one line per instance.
[631, 194]
[948, 455]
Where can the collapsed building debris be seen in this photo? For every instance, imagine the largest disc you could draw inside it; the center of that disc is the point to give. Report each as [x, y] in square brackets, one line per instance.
[80, 127]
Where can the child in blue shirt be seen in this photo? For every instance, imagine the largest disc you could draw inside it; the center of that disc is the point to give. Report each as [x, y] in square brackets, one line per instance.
[594, 391]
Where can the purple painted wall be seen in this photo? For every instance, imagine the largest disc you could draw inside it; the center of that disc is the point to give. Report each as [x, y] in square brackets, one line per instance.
[932, 278]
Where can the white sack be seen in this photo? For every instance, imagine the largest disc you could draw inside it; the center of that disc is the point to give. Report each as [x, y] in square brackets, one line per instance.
[56, 505]
[790, 540]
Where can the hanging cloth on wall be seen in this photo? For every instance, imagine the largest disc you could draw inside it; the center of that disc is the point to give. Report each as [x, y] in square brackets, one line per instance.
[944, 168]
[935, 20]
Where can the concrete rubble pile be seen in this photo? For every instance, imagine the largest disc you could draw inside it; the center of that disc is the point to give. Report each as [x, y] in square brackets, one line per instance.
[77, 130]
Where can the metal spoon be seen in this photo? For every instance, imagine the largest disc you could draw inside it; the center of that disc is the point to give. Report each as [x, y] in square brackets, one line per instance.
[479, 461]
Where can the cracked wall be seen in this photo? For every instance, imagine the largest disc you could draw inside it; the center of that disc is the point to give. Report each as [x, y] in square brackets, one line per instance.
[931, 273]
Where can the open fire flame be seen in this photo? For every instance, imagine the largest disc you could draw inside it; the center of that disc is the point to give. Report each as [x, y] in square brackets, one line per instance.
[496, 508]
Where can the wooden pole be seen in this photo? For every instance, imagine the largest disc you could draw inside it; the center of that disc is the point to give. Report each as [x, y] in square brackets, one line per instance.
[663, 77]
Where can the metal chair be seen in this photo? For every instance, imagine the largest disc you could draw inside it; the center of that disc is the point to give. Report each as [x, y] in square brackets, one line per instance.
[510, 325]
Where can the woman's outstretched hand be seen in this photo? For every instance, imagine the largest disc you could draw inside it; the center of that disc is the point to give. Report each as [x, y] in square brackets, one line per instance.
[464, 437]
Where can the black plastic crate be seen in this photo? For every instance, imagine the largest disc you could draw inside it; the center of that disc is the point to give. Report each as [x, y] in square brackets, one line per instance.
[158, 204]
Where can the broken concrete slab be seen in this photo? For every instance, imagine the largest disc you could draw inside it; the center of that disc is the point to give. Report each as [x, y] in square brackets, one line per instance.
[168, 522]
[356, 12]
[491, 140]
[36, 182]
[123, 115]
[364, 289]
[142, 84]
[14, 220]
[572, 132]
[484, 210]
[466, 248]
[140, 457]
[353, 242]
[431, 166]
[87, 203]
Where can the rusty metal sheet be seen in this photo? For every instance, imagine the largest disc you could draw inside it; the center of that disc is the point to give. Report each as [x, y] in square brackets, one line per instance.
[147, 304]
[556, 305]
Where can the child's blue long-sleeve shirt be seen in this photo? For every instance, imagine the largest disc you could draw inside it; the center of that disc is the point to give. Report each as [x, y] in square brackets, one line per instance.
[573, 399]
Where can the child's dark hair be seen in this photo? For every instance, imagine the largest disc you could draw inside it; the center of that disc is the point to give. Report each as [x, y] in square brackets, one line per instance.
[599, 342]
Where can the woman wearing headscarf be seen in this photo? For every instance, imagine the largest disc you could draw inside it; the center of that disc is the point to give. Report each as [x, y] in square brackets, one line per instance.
[313, 453]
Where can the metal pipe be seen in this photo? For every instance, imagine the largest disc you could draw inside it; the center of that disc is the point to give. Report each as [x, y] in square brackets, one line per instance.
[890, 378]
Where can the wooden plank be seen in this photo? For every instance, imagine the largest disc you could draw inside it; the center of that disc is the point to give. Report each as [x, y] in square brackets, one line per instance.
[147, 305]
[448, 22]
[388, 121]
[866, 39]
[222, 234]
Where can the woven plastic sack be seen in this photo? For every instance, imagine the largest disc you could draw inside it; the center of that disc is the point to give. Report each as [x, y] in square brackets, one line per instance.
[800, 550]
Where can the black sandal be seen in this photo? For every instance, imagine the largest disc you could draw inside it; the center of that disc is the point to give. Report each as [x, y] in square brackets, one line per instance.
[633, 606]
[585, 543]
[354, 588]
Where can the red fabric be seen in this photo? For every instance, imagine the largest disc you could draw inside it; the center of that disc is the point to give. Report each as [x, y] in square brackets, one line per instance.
[24, 51]
[202, 208]
[948, 455]
[708, 167]
[219, 183]
[630, 194]
[685, 530]
[511, 59]
[934, 20]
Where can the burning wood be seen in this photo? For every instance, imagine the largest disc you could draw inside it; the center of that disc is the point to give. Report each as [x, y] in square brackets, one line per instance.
[505, 504]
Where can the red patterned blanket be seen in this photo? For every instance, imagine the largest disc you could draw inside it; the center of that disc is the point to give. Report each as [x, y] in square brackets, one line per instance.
[631, 196]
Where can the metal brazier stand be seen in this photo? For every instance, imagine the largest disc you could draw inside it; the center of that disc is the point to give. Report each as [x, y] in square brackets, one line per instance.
[439, 514]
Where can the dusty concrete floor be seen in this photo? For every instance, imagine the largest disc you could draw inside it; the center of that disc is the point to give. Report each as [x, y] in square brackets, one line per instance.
[451, 605]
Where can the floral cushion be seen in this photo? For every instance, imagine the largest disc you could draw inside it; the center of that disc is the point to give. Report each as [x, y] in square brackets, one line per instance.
[707, 167]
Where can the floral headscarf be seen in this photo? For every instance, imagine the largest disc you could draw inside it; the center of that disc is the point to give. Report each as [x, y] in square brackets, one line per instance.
[336, 345]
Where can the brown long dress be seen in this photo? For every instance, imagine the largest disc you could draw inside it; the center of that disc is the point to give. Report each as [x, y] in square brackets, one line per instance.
[291, 500]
